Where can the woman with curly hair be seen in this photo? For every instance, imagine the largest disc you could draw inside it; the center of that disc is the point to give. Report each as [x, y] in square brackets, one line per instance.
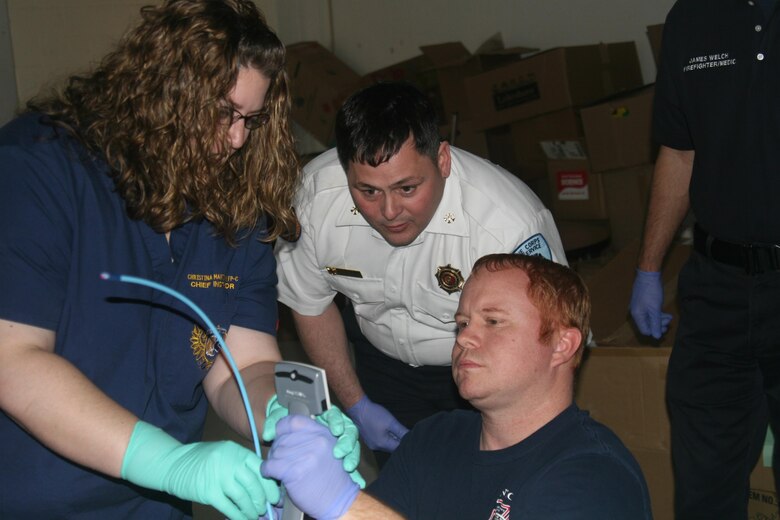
[172, 161]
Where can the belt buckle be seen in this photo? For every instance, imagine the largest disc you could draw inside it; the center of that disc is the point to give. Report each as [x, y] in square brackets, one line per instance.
[761, 258]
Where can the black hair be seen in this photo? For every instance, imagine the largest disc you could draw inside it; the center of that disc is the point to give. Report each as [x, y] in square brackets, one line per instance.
[376, 121]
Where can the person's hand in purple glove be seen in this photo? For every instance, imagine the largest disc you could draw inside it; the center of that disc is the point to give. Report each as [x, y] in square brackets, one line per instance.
[301, 457]
[378, 428]
[647, 299]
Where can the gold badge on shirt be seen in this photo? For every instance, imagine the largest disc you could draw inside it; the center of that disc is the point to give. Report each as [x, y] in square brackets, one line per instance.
[450, 278]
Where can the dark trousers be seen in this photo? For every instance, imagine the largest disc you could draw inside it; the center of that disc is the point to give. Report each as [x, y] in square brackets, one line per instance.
[723, 385]
[409, 393]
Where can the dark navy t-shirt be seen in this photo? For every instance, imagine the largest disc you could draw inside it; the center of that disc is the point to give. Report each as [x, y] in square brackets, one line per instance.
[61, 225]
[572, 468]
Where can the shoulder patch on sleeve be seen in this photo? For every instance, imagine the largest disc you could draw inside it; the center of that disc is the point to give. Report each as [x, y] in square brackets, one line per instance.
[536, 245]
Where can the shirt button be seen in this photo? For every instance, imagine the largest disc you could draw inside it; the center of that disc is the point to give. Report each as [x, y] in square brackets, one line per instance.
[758, 28]
[751, 2]
[393, 288]
[446, 316]
[760, 56]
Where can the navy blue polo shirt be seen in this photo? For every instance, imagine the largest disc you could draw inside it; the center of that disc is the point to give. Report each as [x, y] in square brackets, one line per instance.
[718, 93]
[61, 225]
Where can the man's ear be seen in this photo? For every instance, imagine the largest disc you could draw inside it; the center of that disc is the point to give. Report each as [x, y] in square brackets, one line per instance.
[444, 159]
[566, 346]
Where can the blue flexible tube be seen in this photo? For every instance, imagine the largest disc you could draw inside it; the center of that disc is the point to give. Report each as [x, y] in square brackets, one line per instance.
[239, 380]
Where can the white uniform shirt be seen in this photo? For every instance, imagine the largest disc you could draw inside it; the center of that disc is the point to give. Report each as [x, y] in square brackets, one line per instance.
[398, 302]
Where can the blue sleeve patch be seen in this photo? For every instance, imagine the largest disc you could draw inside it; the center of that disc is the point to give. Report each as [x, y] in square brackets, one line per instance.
[536, 245]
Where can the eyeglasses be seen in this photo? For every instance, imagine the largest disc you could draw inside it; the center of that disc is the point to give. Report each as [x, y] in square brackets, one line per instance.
[229, 115]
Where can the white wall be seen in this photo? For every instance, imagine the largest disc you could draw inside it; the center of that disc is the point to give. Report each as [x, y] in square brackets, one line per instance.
[52, 39]
[7, 73]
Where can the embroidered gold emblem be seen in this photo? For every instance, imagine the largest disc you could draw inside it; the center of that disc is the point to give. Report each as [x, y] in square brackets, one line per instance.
[450, 278]
[354, 210]
[204, 346]
[449, 218]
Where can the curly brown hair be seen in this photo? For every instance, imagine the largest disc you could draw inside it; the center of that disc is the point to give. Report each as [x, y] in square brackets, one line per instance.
[151, 110]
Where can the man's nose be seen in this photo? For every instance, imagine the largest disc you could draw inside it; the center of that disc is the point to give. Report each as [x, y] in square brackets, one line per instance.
[466, 339]
[390, 207]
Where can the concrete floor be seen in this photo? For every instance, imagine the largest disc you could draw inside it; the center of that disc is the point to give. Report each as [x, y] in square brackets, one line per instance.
[216, 430]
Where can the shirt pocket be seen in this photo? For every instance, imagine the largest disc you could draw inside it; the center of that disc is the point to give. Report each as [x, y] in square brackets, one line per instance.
[366, 294]
[434, 308]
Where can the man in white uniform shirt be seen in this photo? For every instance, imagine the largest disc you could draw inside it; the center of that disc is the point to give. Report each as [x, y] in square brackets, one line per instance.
[393, 219]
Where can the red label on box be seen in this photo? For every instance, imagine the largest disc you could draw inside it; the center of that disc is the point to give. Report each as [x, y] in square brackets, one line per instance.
[572, 185]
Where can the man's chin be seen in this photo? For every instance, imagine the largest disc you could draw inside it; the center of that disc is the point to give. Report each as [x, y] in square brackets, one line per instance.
[398, 243]
[398, 239]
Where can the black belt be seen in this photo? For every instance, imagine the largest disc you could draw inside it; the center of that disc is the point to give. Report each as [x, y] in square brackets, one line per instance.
[753, 258]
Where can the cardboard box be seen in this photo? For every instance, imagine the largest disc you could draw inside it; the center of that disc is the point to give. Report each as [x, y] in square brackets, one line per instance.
[453, 63]
[610, 292]
[577, 191]
[763, 501]
[582, 238]
[525, 146]
[419, 72]
[654, 34]
[624, 388]
[531, 140]
[622, 381]
[624, 385]
[552, 80]
[440, 72]
[465, 137]
[319, 84]
[501, 151]
[627, 192]
[617, 131]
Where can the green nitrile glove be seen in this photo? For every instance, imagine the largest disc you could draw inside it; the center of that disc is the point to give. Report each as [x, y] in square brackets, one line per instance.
[224, 475]
[347, 446]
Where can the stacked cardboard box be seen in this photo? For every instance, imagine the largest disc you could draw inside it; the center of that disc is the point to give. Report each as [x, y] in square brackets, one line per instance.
[536, 98]
[621, 154]
[654, 34]
[319, 84]
[441, 71]
[529, 110]
[552, 80]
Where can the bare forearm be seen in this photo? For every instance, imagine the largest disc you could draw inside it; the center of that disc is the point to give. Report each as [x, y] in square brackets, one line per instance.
[367, 507]
[325, 341]
[669, 203]
[255, 354]
[259, 382]
[58, 405]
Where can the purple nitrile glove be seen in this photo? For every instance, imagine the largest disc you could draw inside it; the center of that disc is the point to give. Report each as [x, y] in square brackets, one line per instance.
[647, 299]
[301, 457]
[378, 428]
[342, 427]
